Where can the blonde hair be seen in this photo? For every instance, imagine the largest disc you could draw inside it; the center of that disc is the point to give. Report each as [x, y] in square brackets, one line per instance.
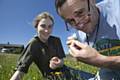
[41, 16]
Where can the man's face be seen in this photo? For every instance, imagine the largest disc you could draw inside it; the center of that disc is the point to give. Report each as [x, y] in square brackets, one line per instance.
[78, 15]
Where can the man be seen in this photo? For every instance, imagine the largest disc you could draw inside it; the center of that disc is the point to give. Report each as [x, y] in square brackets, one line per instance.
[100, 25]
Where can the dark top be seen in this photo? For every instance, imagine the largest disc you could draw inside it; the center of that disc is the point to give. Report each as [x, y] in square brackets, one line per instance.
[40, 53]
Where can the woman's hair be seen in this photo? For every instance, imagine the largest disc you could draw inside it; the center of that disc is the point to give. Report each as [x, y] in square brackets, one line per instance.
[58, 4]
[40, 16]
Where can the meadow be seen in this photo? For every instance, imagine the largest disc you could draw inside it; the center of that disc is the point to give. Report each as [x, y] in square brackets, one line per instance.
[8, 64]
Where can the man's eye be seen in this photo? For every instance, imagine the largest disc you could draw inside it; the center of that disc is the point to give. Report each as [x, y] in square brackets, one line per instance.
[71, 21]
[79, 13]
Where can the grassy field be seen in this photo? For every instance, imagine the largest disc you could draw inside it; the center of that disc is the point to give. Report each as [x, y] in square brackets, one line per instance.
[8, 63]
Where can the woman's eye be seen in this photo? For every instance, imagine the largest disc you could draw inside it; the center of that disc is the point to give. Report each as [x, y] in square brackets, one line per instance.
[43, 25]
[50, 26]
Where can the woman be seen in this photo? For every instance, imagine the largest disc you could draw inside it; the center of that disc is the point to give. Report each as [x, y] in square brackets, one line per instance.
[44, 50]
[47, 53]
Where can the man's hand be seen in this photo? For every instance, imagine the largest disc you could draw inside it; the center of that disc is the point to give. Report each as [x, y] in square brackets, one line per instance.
[81, 51]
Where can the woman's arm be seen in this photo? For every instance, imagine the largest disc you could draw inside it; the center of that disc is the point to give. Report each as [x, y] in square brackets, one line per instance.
[17, 75]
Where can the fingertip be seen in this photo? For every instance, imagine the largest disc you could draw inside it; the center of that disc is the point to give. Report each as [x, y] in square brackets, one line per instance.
[79, 44]
[70, 38]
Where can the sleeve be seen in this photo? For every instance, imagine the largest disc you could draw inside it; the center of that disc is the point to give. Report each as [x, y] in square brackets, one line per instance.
[60, 51]
[25, 59]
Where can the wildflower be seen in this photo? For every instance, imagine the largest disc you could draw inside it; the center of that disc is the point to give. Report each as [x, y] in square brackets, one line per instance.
[0, 66]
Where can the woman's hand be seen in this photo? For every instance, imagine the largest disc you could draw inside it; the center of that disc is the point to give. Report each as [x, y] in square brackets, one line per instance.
[55, 62]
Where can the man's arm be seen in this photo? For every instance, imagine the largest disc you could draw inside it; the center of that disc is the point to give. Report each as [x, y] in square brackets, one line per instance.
[91, 56]
[112, 62]
[17, 75]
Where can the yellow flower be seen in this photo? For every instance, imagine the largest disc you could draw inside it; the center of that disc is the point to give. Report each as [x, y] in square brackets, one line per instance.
[58, 73]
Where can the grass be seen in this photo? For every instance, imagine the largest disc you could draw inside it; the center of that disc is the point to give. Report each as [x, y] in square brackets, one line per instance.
[8, 63]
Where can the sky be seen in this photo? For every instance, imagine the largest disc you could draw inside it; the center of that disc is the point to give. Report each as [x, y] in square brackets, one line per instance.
[16, 17]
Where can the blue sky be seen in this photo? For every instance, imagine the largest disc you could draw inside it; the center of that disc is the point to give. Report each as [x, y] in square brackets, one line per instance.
[16, 18]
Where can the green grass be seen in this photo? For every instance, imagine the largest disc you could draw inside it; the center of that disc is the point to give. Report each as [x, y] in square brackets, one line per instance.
[8, 63]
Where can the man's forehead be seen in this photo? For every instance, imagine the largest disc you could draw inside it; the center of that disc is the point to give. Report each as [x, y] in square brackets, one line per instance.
[70, 2]
[73, 5]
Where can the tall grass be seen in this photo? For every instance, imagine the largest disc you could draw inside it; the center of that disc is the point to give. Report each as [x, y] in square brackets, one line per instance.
[8, 63]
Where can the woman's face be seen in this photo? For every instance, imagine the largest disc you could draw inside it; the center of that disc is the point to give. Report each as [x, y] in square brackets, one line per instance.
[44, 28]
